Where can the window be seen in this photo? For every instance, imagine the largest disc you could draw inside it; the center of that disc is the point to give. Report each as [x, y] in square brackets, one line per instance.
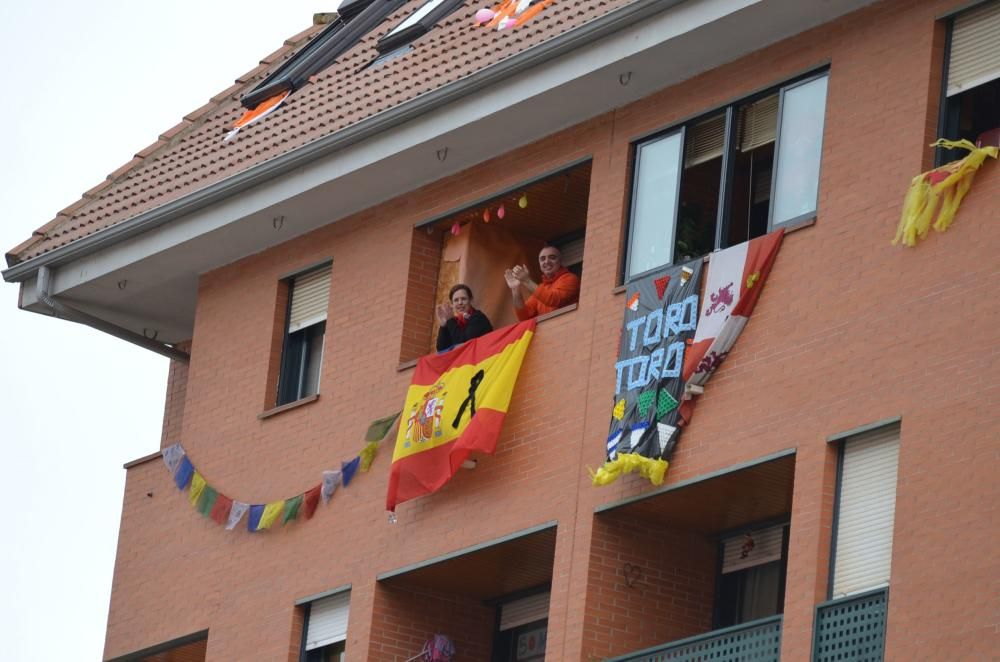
[865, 510]
[325, 631]
[972, 82]
[751, 583]
[728, 177]
[522, 630]
[475, 244]
[416, 24]
[302, 351]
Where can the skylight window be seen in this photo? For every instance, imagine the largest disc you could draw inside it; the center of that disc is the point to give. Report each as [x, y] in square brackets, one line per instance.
[416, 24]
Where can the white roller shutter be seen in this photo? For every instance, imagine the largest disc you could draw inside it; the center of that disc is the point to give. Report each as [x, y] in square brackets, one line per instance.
[975, 48]
[867, 508]
[740, 553]
[310, 296]
[328, 620]
[526, 610]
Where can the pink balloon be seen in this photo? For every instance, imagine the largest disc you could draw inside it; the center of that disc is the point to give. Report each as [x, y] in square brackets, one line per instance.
[501, 212]
[484, 16]
[456, 229]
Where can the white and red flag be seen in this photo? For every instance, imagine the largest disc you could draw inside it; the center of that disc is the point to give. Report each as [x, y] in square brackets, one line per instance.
[735, 279]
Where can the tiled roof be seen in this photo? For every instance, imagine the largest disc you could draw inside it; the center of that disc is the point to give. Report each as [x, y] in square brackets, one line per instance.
[192, 155]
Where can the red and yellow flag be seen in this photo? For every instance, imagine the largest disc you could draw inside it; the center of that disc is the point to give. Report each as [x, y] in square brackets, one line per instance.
[455, 404]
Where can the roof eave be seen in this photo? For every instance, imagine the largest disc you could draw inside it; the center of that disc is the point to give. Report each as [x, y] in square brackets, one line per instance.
[301, 156]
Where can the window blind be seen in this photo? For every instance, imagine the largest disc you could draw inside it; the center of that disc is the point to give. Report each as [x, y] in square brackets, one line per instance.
[310, 297]
[975, 54]
[571, 252]
[704, 141]
[739, 552]
[328, 620]
[758, 123]
[526, 610]
[867, 507]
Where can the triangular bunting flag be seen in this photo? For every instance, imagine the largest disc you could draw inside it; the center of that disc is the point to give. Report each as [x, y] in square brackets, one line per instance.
[348, 469]
[310, 501]
[380, 428]
[292, 507]
[172, 456]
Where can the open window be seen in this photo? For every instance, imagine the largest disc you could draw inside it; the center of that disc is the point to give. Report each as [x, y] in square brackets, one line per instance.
[751, 582]
[727, 177]
[416, 25]
[971, 107]
[302, 349]
[324, 635]
[475, 245]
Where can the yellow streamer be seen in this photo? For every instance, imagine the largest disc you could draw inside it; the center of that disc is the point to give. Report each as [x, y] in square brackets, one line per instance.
[938, 193]
[197, 487]
[626, 463]
[270, 515]
[368, 455]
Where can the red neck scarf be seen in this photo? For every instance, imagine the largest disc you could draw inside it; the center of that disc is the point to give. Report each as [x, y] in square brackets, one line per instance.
[463, 318]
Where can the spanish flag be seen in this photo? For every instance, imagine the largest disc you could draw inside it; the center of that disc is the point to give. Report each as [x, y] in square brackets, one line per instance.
[455, 405]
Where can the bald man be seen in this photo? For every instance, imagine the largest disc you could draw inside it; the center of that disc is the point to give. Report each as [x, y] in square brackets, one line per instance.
[559, 287]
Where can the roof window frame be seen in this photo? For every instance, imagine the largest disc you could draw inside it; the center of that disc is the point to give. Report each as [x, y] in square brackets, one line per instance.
[397, 37]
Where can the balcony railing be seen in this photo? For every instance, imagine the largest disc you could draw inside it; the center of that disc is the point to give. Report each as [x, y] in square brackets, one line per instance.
[851, 628]
[756, 641]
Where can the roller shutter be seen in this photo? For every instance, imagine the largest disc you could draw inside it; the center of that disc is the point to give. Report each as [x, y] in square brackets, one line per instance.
[328, 620]
[526, 610]
[753, 548]
[866, 511]
[975, 48]
[310, 297]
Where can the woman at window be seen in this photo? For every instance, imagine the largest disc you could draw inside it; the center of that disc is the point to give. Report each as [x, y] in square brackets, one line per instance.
[460, 322]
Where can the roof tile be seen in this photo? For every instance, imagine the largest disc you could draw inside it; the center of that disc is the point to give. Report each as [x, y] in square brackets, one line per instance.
[191, 155]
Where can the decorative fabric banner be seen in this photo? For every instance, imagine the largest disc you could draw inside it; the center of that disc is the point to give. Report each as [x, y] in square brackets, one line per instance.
[331, 479]
[735, 279]
[310, 501]
[455, 404]
[253, 518]
[223, 510]
[207, 501]
[380, 428]
[935, 196]
[172, 456]
[184, 473]
[270, 515]
[197, 487]
[260, 111]
[237, 512]
[348, 469]
[661, 312]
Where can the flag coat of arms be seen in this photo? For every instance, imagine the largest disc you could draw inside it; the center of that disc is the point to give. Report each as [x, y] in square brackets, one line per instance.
[455, 404]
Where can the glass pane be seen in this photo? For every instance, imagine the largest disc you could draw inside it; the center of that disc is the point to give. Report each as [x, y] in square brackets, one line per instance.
[652, 231]
[416, 16]
[799, 148]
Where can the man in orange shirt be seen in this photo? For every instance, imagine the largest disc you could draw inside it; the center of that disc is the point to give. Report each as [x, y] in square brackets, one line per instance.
[559, 287]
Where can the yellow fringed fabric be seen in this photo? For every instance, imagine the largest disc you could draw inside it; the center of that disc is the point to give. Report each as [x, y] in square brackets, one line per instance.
[936, 194]
[368, 455]
[626, 463]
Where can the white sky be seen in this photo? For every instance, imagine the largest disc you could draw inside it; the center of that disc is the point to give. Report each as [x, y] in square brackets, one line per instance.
[87, 84]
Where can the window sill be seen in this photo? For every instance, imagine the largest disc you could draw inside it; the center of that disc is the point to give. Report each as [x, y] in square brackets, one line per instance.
[790, 226]
[291, 405]
[406, 365]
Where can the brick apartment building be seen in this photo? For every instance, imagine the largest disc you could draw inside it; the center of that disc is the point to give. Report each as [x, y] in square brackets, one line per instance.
[835, 493]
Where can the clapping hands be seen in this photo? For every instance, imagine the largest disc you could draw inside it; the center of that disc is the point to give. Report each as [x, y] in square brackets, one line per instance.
[443, 312]
[517, 276]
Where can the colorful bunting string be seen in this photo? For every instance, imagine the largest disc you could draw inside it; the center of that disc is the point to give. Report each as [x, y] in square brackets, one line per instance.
[223, 510]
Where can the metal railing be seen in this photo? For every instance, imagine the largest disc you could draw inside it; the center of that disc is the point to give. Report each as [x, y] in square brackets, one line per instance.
[756, 641]
[852, 628]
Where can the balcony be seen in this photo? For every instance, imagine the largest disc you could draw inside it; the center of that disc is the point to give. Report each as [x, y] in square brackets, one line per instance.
[852, 628]
[756, 641]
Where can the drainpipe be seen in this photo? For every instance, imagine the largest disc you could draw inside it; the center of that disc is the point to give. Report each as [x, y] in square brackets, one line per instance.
[63, 311]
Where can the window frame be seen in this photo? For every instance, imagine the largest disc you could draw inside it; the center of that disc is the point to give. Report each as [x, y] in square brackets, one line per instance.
[395, 39]
[947, 109]
[285, 376]
[786, 532]
[306, 604]
[730, 108]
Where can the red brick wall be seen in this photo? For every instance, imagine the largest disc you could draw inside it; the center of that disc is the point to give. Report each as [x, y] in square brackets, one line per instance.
[405, 618]
[848, 330]
[421, 290]
[671, 595]
[173, 405]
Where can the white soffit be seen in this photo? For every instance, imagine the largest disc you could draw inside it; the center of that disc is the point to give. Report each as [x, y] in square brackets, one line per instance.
[162, 265]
